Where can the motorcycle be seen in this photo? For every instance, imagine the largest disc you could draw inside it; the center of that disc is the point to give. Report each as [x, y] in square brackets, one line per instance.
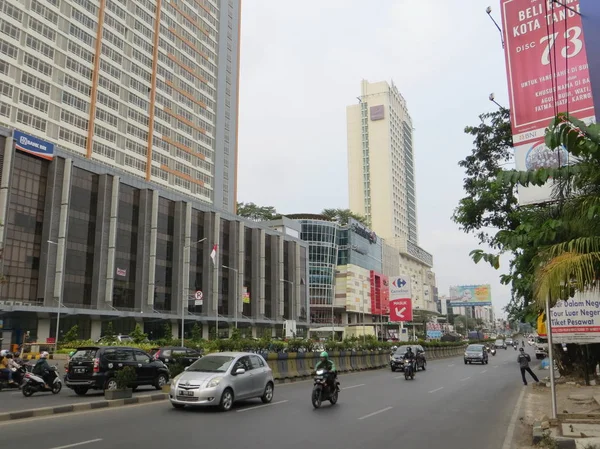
[17, 377]
[493, 351]
[321, 390]
[409, 370]
[34, 383]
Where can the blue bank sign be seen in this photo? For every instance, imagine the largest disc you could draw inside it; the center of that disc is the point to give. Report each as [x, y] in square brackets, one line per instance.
[33, 145]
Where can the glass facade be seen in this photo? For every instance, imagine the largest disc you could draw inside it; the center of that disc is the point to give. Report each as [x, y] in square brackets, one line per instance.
[81, 237]
[164, 255]
[21, 255]
[322, 237]
[35, 214]
[126, 248]
[360, 246]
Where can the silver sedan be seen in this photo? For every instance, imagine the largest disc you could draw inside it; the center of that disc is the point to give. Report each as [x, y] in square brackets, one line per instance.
[220, 379]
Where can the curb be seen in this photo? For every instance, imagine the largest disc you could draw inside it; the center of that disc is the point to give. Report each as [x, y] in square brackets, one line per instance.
[81, 407]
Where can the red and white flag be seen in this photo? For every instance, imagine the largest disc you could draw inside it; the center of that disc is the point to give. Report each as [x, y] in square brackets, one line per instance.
[213, 253]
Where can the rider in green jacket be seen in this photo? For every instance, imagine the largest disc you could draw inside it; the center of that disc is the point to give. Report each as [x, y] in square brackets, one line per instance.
[329, 366]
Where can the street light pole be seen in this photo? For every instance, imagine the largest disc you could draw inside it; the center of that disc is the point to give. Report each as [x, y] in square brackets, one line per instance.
[235, 298]
[186, 287]
[50, 242]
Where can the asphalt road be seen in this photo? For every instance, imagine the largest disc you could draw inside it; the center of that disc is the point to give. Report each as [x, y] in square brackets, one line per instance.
[449, 406]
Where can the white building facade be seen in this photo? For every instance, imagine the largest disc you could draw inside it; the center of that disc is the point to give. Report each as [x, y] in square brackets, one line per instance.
[381, 172]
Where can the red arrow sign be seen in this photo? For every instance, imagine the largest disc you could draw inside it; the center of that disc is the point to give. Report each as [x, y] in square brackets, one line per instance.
[401, 310]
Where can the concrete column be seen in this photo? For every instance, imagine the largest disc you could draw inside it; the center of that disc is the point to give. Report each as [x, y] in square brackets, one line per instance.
[205, 332]
[241, 254]
[152, 255]
[179, 286]
[5, 185]
[254, 332]
[62, 231]
[278, 280]
[103, 213]
[215, 268]
[43, 329]
[96, 332]
[112, 241]
[175, 330]
[187, 241]
[261, 272]
[297, 278]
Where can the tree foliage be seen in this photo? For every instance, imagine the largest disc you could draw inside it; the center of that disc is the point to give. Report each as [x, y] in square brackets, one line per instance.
[343, 216]
[254, 212]
[491, 205]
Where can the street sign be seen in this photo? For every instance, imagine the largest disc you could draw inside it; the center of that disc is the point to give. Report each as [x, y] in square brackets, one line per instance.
[401, 310]
[198, 298]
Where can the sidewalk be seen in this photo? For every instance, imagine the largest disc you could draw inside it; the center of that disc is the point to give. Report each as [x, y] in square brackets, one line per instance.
[571, 398]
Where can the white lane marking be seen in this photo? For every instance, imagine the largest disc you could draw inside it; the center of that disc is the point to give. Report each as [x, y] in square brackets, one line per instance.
[261, 406]
[466, 378]
[496, 366]
[437, 389]
[484, 371]
[376, 413]
[353, 386]
[78, 444]
[451, 365]
[399, 377]
[508, 440]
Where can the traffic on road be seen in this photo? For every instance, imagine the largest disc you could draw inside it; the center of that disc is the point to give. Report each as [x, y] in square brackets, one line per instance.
[372, 407]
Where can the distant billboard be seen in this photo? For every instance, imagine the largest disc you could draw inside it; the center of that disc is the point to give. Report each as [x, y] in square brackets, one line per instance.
[471, 295]
[547, 70]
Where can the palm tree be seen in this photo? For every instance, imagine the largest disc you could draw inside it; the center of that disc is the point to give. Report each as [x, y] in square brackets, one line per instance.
[342, 216]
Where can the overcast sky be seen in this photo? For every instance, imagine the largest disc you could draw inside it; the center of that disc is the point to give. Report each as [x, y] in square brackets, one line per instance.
[301, 65]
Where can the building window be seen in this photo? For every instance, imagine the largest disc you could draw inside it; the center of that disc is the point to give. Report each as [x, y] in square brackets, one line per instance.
[126, 247]
[21, 257]
[164, 255]
[81, 238]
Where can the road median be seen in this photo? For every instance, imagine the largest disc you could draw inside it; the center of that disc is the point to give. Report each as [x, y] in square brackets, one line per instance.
[81, 407]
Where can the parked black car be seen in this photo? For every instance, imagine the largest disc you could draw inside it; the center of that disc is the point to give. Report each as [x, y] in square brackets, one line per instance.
[397, 358]
[94, 367]
[170, 354]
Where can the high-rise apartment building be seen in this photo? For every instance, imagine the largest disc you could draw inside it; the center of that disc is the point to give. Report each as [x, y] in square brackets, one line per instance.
[148, 86]
[381, 172]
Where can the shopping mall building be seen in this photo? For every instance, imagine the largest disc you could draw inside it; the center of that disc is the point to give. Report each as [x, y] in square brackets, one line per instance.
[108, 246]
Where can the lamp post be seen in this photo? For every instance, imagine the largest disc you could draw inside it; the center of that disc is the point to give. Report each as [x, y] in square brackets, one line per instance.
[50, 242]
[186, 287]
[235, 290]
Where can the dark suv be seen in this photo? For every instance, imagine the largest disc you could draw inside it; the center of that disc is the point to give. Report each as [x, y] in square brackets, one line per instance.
[397, 358]
[94, 367]
[171, 354]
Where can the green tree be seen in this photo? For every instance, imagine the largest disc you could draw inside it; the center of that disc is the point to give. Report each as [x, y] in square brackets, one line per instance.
[558, 244]
[196, 333]
[138, 334]
[255, 212]
[109, 333]
[342, 216]
[490, 205]
[71, 335]
[167, 333]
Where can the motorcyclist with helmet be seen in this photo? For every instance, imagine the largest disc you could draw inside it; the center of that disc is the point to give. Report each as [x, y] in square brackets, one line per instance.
[409, 356]
[42, 368]
[330, 369]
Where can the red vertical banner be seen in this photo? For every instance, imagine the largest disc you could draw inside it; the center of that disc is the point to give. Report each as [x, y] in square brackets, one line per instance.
[546, 64]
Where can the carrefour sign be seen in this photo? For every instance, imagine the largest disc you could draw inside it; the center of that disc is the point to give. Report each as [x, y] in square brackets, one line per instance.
[33, 145]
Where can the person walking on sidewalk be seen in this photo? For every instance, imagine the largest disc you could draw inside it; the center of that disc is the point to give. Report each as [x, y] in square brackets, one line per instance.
[524, 360]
